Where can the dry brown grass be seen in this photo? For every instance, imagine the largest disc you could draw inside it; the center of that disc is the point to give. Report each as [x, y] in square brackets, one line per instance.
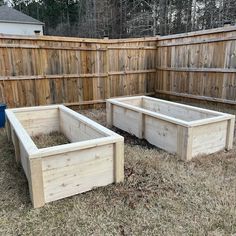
[160, 196]
[50, 140]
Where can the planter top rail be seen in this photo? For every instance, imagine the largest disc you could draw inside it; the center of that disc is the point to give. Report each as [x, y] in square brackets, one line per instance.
[218, 116]
[34, 152]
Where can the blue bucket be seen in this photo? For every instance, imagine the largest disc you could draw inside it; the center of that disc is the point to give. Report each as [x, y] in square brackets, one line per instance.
[2, 114]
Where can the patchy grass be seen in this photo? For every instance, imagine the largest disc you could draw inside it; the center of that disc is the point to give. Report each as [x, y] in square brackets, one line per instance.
[160, 196]
[50, 140]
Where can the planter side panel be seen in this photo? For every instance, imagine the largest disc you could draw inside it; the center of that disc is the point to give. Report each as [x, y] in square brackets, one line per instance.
[126, 120]
[75, 130]
[135, 102]
[75, 172]
[175, 111]
[21, 155]
[160, 133]
[209, 138]
[230, 133]
[40, 121]
[24, 159]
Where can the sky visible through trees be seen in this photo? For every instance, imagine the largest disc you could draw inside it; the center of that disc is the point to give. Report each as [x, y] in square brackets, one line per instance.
[127, 18]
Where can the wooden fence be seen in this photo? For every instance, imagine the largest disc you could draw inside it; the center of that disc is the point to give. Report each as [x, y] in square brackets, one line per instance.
[48, 70]
[199, 65]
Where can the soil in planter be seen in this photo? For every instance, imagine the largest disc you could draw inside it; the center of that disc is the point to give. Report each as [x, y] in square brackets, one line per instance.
[50, 140]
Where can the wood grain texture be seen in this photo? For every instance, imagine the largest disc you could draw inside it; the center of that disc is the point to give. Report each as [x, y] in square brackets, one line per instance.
[119, 162]
[200, 65]
[77, 172]
[17, 148]
[55, 70]
[36, 184]
[180, 129]
[230, 134]
[95, 156]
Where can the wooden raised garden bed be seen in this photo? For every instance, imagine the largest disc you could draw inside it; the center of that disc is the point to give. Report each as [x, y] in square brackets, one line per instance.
[94, 157]
[185, 130]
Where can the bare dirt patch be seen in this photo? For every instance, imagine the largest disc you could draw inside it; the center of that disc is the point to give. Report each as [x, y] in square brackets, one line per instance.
[160, 196]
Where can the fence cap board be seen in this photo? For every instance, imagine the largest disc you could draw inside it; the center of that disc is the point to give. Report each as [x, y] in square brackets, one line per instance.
[198, 33]
[78, 40]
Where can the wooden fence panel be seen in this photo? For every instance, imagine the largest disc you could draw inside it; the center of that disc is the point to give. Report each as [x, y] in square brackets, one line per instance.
[48, 70]
[200, 65]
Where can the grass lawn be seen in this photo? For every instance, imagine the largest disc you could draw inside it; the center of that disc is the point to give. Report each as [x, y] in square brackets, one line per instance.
[160, 196]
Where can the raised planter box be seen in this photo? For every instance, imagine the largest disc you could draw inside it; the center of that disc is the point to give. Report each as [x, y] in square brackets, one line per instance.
[95, 156]
[184, 130]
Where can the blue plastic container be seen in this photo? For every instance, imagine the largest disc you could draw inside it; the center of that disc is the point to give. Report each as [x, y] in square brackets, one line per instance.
[2, 114]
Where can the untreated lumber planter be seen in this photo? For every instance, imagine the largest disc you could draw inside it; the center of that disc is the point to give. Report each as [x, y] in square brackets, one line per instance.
[184, 130]
[95, 156]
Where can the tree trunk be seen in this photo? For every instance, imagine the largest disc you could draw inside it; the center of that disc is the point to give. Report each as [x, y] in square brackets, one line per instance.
[162, 16]
[155, 19]
[194, 6]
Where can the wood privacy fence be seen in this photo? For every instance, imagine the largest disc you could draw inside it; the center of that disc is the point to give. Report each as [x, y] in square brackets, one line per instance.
[199, 65]
[47, 70]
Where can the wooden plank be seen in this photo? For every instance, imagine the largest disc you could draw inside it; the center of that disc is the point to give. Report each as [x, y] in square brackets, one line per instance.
[36, 185]
[201, 70]
[141, 125]
[64, 76]
[108, 79]
[24, 159]
[50, 151]
[39, 121]
[100, 101]
[78, 40]
[160, 133]
[184, 143]
[210, 99]
[230, 134]
[16, 147]
[131, 72]
[84, 103]
[76, 130]
[109, 114]
[202, 41]
[77, 171]
[198, 33]
[70, 76]
[21, 133]
[125, 100]
[209, 138]
[131, 48]
[175, 110]
[119, 161]
[8, 129]
[99, 128]
[126, 119]
[129, 108]
[33, 46]
[33, 109]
